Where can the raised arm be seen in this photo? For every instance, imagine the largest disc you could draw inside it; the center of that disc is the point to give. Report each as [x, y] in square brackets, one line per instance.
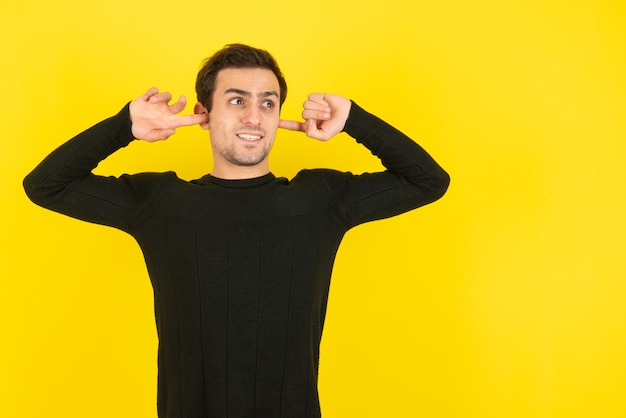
[412, 177]
[64, 181]
[154, 119]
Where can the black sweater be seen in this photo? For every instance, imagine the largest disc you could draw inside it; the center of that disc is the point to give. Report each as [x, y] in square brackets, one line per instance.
[240, 268]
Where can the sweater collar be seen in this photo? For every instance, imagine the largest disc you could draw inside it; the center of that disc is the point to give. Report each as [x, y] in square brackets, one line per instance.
[238, 184]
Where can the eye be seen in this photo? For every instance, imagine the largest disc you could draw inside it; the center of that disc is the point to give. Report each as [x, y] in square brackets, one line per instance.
[268, 104]
[236, 101]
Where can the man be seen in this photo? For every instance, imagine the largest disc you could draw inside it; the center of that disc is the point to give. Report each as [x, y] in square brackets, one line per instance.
[240, 260]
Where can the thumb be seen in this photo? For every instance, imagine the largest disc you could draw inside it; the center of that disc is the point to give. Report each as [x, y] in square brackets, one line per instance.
[179, 105]
[314, 131]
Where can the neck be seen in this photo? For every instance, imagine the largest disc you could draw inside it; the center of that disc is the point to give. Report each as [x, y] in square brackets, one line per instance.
[240, 172]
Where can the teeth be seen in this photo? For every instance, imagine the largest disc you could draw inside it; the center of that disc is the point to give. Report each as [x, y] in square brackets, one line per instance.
[249, 137]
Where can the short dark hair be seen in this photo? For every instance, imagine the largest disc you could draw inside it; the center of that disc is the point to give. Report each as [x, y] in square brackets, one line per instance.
[235, 56]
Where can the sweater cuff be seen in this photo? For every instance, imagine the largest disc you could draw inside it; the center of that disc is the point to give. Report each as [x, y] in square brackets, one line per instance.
[358, 123]
[123, 134]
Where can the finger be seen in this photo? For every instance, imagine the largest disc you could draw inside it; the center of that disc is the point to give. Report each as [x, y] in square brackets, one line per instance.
[317, 97]
[316, 105]
[190, 120]
[316, 108]
[291, 125]
[159, 135]
[166, 96]
[166, 133]
[151, 92]
[311, 128]
[316, 131]
[316, 114]
[179, 105]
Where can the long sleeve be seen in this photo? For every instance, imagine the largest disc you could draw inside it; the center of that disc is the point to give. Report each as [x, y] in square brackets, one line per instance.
[64, 182]
[412, 177]
[241, 269]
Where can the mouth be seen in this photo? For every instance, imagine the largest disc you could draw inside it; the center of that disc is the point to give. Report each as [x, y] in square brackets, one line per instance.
[249, 137]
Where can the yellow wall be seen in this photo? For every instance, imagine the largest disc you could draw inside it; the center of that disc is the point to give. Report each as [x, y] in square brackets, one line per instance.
[505, 299]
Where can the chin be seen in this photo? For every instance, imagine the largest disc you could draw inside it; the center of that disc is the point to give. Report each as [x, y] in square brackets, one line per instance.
[249, 162]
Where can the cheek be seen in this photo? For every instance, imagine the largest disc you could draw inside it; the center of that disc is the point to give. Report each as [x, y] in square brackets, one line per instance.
[217, 124]
[216, 133]
[271, 131]
[272, 123]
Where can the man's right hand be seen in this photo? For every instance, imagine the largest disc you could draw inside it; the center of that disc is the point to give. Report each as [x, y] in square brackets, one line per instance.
[154, 119]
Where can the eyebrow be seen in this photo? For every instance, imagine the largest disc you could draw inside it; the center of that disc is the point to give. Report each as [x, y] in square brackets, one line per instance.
[248, 94]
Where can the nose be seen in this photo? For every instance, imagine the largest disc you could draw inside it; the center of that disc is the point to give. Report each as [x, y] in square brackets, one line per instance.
[252, 116]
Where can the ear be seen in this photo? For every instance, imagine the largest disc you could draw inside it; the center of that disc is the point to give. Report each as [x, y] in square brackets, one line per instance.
[199, 109]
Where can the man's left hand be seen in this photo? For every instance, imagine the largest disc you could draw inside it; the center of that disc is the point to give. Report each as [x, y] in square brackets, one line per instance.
[324, 116]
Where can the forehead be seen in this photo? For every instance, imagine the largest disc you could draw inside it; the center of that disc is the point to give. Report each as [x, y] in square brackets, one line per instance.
[252, 80]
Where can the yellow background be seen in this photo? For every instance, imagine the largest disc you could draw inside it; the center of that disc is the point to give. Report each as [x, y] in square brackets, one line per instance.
[507, 298]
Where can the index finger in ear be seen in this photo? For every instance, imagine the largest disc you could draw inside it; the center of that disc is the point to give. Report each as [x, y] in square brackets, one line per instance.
[190, 120]
[291, 125]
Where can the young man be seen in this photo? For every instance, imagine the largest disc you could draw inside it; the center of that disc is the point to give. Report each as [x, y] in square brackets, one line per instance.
[240, 260]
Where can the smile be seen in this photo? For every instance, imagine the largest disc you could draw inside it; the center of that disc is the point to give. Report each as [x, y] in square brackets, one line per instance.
[249, 137]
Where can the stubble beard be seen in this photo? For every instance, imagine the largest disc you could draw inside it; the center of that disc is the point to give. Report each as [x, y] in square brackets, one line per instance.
[246, 160]
[246, 157]
[239, 154]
